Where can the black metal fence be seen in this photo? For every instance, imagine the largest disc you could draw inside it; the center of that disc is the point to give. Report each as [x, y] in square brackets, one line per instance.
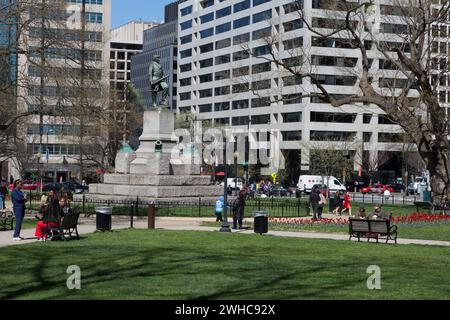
[276, 206]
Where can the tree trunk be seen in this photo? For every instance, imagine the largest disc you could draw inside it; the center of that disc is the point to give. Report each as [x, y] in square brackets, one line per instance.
[437, 163]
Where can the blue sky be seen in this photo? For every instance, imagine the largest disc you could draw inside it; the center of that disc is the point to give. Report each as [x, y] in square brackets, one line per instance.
[124, 11]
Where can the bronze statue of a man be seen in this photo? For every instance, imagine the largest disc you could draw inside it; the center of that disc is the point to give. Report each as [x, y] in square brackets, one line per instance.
[158, 82]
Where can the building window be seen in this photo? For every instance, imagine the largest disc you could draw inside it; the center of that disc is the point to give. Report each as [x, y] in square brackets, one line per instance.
[207, 3]
[261, 51]
[186, 11]
[206, 63]
[261, 85]
[294, 6]
[261, 119]
[223, 12]
[185, 96]
[242, 71]
[207, 18]
[207, 33]
[222, 75]
[240, 104]
[207, 93]
[241, 87]
[242, 38]
[239, 23]
[222, 106]
[185, 82]
[223, 59]
[186, 25]
[186, 39]
[261, 16]
[292, 81]
[221, 91]
[206, 78]
[262, 67]
[222, 121]
[261, 102]
[293, 25]
[204, 108]
[292, 99]
[207, 48]
[293, 43]
[241, 55]
[333, 117]
[185, 53]
[223, 28]
[225, 43]
[292, 117]
[291, 135]
[332, 136]
[262, 33]
[240, 121]
[186, 67]
[241, 6]
[258, 2]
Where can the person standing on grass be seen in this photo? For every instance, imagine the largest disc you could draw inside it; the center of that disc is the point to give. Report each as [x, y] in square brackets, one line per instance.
[18, 200]
[314, 199]
[220, 203]
[322, 204]
[239, 209]
[3, 194]
[346, 204]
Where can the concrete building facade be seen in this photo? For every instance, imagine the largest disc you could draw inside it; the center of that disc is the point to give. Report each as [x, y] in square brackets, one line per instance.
[224, 85]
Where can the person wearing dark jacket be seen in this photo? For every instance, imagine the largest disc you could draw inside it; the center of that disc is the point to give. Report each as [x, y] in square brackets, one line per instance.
[314, 199]
[18, 200]
[52, 217]
[3, 194]
[239, 209]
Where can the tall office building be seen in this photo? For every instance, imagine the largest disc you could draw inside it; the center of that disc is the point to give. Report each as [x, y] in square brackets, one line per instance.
[160, 40]
[66, 69]
[8, 66]
[225, 85]
[126, 42]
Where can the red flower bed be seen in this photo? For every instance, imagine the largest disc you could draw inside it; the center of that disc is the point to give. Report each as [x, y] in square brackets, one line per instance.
[420, 217]
[415, 217]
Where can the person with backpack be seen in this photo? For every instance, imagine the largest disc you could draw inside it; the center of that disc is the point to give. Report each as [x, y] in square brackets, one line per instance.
[220, 203]
[239, 209]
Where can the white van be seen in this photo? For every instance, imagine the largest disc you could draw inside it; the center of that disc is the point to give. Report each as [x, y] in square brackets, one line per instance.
[305, 183]
[234, 183]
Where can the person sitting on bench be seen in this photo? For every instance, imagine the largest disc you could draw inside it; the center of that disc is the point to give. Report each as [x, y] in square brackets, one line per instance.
[378, 213]
[361, 213]
[51, 217]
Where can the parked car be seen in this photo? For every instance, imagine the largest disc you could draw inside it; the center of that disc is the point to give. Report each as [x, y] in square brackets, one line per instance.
[55, 186]
[377, 188]
[358, 184]
[74, 187]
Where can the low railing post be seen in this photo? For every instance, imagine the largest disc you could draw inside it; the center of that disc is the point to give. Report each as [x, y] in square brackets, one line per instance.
[131, 216]
[151, 215]
[199, 207]
[84, 203]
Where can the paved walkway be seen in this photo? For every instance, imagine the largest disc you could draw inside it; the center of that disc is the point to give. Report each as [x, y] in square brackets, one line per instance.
[194, 224]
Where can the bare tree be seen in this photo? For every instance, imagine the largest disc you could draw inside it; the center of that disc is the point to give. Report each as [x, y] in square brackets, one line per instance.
[399, 68]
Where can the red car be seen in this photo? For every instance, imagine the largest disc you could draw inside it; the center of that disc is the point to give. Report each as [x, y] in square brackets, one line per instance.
[377, 188]
[29, 185]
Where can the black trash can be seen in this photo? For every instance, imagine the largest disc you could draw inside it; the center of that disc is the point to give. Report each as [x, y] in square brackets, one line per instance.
[332, 204]
[261, 223]
[103, 218]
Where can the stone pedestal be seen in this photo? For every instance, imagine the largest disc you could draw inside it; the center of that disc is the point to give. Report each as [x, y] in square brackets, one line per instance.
[151, 172]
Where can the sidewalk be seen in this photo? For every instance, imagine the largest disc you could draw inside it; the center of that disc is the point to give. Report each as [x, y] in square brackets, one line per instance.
[194, 224]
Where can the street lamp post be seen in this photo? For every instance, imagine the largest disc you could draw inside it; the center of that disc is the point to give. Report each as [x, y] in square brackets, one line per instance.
[225, 226]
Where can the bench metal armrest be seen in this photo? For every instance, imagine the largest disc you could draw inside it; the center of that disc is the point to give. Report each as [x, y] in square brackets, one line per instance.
[393, 228]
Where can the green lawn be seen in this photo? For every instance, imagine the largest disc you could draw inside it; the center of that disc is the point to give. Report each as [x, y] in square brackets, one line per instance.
[141, 264]
[425, 231]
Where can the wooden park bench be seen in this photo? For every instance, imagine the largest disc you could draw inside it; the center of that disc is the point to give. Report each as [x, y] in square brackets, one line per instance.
[432, 207]
[369, 228]
[6, 220]
[68, 226]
